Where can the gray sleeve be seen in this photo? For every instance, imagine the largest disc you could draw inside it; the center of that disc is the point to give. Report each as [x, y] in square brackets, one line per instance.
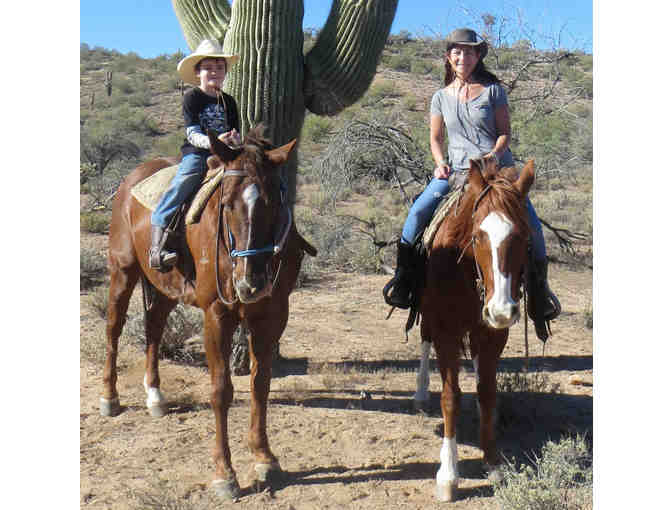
[196, 137]
[435, 108]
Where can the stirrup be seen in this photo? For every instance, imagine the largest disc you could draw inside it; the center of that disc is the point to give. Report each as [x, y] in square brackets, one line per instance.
[553, 308]
[393, 298]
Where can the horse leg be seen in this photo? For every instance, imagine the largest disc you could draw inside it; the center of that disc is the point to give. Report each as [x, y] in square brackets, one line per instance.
[155, 322]
[448, 356]
[122, 282]
[421, 397]
[217, 332]
[486, 348]
[264, 336]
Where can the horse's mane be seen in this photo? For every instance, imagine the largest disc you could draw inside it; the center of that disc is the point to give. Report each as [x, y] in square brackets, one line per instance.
[253, 154]
[502, 196]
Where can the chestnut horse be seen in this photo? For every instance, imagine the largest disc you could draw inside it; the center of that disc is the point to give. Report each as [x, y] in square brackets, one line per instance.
[245, 256]
[473, 279]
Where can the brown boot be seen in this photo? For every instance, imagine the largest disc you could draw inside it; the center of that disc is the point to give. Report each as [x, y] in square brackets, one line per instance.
[159, 258]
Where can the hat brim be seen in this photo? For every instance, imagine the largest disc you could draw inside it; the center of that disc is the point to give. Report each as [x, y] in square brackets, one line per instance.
[187, 66]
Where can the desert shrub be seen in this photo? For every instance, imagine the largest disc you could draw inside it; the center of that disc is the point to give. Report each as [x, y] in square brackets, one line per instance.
[167, 146]
[317, 128]
[403, 62]
[409, 103]
[365, 155]
[438, 73]
[525, 382]
[379, 92]
[183, 323]
[92, 268]
[95, 222]
[560, 479]
[420, 66]
[98, 300]
[129, 63]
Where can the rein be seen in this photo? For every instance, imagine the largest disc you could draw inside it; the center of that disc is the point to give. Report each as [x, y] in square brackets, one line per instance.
[233, 253]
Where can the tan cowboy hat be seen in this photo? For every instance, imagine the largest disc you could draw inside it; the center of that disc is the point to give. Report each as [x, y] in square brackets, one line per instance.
[467, 37]
[208, 48]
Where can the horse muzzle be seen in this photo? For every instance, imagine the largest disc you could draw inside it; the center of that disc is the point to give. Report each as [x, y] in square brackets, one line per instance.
[253, 288]
[501, 315]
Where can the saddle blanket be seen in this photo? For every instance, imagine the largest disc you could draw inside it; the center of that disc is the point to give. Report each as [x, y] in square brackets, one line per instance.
[150, 190]
[440, 213]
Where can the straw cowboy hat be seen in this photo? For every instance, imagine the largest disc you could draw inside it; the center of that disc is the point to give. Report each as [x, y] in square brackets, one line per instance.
[467, 37]
[209, 48]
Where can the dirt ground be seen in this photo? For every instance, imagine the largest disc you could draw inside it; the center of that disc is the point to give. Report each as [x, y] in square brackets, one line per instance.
[337, 450]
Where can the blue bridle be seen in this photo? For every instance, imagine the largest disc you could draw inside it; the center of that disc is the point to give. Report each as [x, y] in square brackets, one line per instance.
[271, 248]
[233, 253]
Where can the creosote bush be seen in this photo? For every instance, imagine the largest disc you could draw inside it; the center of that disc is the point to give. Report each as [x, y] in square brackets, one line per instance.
[184, 322]
[560, 479]
[519, 382]
[92, 268]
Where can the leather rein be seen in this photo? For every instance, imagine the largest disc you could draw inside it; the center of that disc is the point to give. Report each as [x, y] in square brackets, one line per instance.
[274, 248]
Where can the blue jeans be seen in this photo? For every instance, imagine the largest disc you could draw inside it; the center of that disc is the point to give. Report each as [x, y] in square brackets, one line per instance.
[423, 208]
[185, 183]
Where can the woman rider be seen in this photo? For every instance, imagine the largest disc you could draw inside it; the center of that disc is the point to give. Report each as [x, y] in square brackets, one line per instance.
[472, 110]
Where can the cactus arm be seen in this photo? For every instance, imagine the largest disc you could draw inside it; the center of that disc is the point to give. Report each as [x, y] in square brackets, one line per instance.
[342, 64]
[202, 19]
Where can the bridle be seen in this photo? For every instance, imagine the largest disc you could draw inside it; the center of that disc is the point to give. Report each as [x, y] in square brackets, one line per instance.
[233, 253]
[480, 285]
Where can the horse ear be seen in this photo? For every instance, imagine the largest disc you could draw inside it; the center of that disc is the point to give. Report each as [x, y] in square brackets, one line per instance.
[476, 179]
[281, 154]
[219, 148]
[524, 182]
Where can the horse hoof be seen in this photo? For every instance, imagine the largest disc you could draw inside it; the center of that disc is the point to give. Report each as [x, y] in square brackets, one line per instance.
[110, 407]
[227, 489]
[266, 475]
[157, 411]
[446, 491]
[421, 406]
[495, 474]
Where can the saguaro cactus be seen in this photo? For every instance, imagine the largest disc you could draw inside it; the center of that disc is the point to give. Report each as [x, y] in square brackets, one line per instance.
[274, 82]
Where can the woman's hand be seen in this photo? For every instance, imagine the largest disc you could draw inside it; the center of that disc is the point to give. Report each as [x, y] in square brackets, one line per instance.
[442, 171]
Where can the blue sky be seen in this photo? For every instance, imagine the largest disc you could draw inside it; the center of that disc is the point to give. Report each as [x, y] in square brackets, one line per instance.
[150, 28]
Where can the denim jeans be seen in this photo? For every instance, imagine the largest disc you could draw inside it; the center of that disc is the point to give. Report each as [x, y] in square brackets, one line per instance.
[185, 183]
[423, 208]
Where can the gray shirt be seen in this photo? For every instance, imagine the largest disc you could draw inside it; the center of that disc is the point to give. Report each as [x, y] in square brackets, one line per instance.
[470, 126]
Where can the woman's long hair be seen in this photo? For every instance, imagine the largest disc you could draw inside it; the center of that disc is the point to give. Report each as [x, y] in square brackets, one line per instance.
[480, 72]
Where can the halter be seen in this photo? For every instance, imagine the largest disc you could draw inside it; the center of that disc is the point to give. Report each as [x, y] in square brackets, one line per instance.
[232, 252]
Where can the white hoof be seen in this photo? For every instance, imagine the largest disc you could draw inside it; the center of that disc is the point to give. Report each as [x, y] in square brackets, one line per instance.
[228, 490]
[495, 474]
[446, 491]
[155, 402]
[421, 405]
[109, 407]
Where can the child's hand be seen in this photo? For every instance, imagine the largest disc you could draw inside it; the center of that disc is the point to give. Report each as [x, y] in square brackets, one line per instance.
[231, 138]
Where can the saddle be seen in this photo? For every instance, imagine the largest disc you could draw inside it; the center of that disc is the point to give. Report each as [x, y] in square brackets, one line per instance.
[150, 190]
